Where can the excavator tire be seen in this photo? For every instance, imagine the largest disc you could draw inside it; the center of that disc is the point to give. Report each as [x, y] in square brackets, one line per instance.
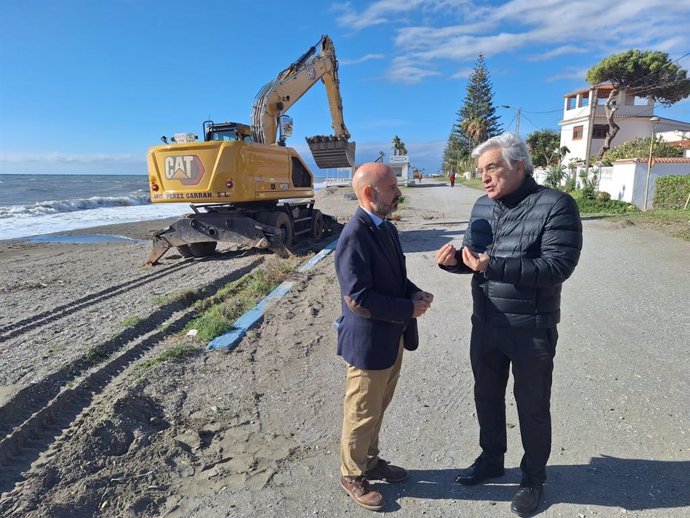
[318, 225]
[281, 221]
[197, 249]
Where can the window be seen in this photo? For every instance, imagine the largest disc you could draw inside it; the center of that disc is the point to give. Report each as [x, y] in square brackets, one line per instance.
[570, 103]
[599, 130]
[584, 101]
[300, 175]
[602, 97]
[577, 133]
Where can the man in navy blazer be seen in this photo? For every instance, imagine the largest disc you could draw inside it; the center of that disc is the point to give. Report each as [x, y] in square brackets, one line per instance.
[380, 306]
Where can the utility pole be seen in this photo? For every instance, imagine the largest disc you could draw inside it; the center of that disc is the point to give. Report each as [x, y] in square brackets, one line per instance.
[653, 121]
[517, 122]
[518, 111]
[593, 103]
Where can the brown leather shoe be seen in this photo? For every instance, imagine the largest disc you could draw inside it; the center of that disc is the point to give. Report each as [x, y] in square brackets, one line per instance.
[360, 491]
[384, 470]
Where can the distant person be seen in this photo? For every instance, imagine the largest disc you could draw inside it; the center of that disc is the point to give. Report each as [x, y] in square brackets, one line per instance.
[380, 306]
[523, 242]
[452, 179]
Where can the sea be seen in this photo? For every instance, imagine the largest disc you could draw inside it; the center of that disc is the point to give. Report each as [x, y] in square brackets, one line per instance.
[38, 204]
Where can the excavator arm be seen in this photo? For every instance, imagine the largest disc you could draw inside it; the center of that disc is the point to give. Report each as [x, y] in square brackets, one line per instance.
[275, 98]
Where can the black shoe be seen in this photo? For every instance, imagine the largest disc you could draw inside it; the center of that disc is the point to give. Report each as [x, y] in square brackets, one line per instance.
[384, 470]
[479, 472]
[527, 500]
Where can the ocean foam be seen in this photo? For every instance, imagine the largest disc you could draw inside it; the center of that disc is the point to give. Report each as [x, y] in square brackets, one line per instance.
[38, 224]
[58, 206]
[45, 217]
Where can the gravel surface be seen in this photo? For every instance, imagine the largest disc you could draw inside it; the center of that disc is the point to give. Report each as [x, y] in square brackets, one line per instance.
[254, 432]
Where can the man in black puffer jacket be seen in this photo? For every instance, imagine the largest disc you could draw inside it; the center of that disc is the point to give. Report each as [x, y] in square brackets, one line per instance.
[522, 243]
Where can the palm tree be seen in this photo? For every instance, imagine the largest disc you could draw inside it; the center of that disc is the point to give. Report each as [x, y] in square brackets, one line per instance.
[562, 151]
[477, 130]
[397, 142]
[398, 146]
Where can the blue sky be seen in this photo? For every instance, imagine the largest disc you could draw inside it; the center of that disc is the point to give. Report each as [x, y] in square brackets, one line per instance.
[87, 86]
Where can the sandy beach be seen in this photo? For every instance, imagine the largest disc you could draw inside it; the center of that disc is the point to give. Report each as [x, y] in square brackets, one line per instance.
[92, 426]
[79, 316]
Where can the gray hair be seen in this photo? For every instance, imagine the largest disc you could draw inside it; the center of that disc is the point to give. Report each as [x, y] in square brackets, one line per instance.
[512, 148]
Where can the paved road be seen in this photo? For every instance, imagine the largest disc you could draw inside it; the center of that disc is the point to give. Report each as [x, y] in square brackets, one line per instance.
[620, 397]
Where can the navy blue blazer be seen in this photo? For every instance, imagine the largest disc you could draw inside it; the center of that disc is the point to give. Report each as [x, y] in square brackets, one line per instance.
[376, 295]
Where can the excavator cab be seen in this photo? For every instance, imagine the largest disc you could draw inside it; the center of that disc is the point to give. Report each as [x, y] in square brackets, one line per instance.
[225, 131]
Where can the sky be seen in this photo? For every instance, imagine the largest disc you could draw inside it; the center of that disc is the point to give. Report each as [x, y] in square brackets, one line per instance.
[88, 86]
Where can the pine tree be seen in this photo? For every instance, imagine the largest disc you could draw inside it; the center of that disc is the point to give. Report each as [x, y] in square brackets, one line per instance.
[476, 119]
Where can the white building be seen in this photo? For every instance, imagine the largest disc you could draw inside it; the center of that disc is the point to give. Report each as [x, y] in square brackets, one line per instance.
[400, 164]
[584, 124]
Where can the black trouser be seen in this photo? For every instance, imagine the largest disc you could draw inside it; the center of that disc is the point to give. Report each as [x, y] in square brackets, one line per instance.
[531, 351]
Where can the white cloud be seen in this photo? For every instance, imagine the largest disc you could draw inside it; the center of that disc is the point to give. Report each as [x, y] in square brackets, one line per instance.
[560, 27]
[463, 73]
[367, 57]
[388, 11]
[58, 157]
[375, 14]
[569, 73]
[559, 51]
[383, 123]
[424, 152]
[671, 44]
[403, 71]
[59, 162]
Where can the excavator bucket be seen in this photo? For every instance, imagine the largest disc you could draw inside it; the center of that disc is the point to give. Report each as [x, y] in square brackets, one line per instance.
[330, 151]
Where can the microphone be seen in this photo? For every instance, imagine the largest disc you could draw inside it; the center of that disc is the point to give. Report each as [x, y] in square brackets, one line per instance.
[481, 235]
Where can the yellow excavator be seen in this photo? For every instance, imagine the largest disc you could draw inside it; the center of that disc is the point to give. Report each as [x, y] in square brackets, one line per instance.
[241, 180]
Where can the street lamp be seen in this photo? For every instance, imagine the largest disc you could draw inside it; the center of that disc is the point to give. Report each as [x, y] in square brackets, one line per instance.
[653, 121]
[517, 117]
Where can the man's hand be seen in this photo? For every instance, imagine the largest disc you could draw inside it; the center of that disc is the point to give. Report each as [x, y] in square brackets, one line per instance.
[446, 255]
[422, 301]
[474, 261]
[423, 295]
[420, 307]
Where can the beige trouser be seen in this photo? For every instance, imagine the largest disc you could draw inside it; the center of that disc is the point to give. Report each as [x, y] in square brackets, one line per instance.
[367, 395]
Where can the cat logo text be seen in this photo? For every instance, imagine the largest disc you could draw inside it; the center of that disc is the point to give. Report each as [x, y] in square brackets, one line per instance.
[188, 169]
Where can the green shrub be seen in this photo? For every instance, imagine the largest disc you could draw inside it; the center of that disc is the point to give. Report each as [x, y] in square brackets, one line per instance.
[639, 148]
[592, 205]
[578, 195]
[554, 176]
[602, 196]
[216, 314]
[570, 184]
[186, 297]
[671, 192]
[174, 353]
[132, 321]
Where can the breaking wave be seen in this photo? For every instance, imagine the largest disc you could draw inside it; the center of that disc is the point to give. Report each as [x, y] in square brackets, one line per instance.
[59, 206]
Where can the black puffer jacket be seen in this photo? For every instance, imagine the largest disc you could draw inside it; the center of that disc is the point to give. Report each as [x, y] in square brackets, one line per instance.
[533, 237]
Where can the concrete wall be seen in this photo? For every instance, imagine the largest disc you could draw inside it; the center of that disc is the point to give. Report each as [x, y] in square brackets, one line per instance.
[627, 179]
[618, 181]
